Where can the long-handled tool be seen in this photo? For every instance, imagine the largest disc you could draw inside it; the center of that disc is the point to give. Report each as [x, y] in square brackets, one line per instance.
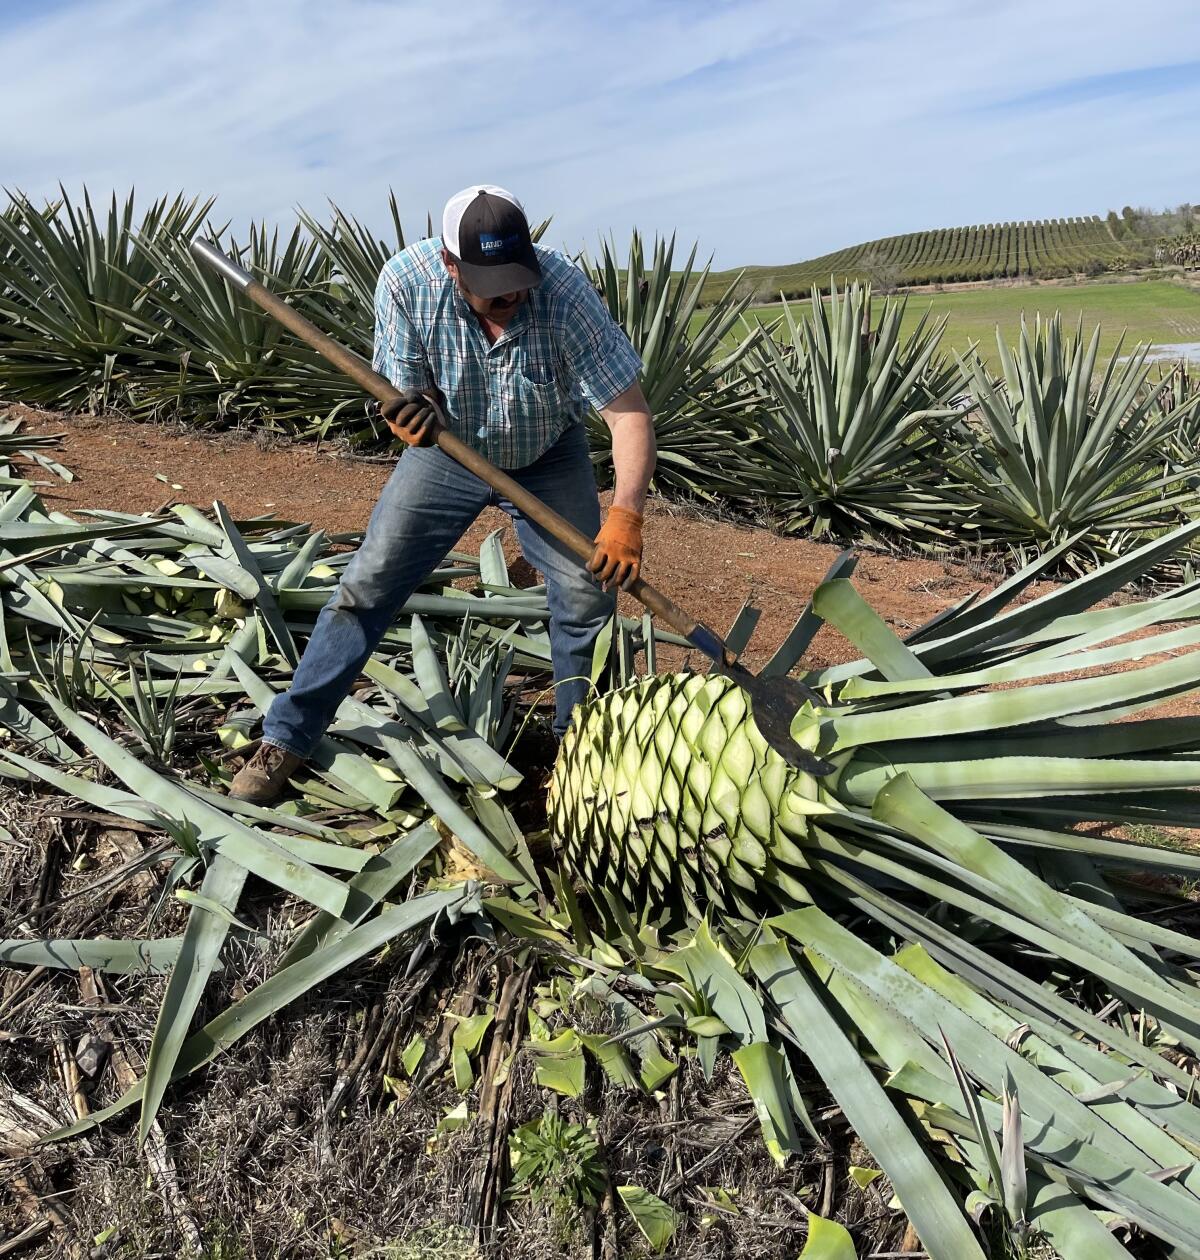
[774, 701]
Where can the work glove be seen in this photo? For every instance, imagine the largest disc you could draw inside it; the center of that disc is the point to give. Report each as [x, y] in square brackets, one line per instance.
[412, 417]
[617, 560]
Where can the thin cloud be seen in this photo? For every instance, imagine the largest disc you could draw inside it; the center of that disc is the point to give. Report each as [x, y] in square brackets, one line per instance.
[767, 130]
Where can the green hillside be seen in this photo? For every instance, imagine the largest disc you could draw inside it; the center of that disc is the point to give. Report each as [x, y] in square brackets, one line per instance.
[1044, 249]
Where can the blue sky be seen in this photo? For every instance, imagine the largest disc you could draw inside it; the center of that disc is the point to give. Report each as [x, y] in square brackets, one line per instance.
[768, 130]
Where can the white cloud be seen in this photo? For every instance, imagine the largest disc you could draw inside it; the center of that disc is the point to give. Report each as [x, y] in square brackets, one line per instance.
[767, 129]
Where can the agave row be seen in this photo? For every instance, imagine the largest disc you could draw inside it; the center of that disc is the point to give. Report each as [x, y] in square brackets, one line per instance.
[832, 421]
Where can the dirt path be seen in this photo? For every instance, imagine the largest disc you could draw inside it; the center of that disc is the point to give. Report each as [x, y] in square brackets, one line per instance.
[708, 567]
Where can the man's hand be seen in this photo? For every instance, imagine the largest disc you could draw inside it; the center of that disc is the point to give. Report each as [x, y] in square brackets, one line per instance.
[617, 560]
[412, 418]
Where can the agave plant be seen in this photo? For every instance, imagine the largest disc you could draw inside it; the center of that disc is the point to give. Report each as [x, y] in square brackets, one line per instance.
[345, 307]
[933, 889]
[850, 423]
[1070, 450]
[925, 927]
[218, 360]
[74, 291]
[690, 357]
[1176, 394]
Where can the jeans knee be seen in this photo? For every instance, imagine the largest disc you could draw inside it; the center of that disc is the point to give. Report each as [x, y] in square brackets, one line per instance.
[583, 601]
[347, 598]
[358, 593]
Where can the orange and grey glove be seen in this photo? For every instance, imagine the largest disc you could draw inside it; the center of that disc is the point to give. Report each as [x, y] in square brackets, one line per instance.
[617, 560]
[412, 417]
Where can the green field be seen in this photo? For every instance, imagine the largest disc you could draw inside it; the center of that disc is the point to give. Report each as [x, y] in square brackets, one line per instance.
[1155, 311]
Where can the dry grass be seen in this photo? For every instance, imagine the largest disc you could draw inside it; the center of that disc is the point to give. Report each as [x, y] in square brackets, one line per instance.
[293, 1145]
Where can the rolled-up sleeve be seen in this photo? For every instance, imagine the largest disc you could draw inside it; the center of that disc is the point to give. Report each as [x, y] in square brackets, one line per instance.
[399, 352]
[596, 349]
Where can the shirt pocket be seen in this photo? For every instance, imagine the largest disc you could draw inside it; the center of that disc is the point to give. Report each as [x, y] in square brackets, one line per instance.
[532, 390]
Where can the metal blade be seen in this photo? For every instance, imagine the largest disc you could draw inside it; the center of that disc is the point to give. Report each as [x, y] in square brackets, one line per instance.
[774, 702]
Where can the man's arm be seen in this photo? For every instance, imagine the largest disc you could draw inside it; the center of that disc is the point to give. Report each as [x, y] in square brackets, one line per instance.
[399, 352]
[634, 453]
[617, 560]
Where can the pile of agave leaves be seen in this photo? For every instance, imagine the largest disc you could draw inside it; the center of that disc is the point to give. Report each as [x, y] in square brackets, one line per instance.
[1003, 1010]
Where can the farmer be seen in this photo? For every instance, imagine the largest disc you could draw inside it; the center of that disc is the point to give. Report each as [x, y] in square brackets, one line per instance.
[511, 339]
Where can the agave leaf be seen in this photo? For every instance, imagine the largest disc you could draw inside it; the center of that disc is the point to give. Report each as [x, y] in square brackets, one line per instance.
[1116, 1169]
[558, 1063]
[252, 849]
[264, 598]
[425, 781]
[378, 879]
[838, 603]
[1152, 1130]
[657, 1220]
[761, 1066]
[413, 1053]
[613, 1060]
[827, 1240]
[1075, 1232]
[936, 1217]
[710, 972]
[974, 1112]
[862, 1177]
[465, 1041]
[278, 990]
[202, 940]
[1012, 1159]
[119, 957]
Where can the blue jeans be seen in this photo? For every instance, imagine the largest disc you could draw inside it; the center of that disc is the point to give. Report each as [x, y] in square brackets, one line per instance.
[427, 504]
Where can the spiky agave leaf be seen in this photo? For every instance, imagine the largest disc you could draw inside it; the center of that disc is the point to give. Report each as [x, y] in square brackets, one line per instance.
[959, 773]
[1071, 447]
[218, 359]
[690, 357]
[74, 290]
[850, 422]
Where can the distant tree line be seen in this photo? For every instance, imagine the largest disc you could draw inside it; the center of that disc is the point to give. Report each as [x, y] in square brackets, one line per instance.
[1144, 224]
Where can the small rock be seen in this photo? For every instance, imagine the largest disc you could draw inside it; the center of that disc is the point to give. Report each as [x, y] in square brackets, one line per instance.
[90, 1054]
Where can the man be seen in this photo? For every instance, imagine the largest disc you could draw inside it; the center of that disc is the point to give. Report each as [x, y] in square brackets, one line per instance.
[515, 344]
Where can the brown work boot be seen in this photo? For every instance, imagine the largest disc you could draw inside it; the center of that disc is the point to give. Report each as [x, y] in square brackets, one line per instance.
[262, 779]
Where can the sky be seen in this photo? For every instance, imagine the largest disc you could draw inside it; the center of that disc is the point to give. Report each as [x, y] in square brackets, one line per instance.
[769, 131]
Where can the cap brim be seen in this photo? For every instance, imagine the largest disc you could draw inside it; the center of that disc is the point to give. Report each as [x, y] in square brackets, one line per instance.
[490, 282]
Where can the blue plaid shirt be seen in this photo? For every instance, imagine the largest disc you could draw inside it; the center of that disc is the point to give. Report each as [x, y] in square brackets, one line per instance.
[511, 400]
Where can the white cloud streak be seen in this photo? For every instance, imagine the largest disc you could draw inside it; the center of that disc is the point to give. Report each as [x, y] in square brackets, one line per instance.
[767, 129]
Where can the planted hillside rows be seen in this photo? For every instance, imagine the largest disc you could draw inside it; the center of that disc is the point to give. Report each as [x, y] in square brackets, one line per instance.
[829, 422]
[1044, 248]
[1006, 1020]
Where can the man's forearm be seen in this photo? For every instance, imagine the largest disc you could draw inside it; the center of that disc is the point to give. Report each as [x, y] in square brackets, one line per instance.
[633, 460]
[633, 448]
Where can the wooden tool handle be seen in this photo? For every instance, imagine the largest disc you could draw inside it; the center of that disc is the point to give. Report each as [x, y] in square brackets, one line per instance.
[360, 371]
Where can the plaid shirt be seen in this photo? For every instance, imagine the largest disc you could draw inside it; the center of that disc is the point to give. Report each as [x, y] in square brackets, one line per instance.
[511, 400]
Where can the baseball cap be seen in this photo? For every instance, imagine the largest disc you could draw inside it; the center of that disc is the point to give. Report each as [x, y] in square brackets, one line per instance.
[485, 228]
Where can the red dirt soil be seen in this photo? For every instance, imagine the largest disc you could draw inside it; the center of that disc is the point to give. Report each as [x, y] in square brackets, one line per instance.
[709, 567]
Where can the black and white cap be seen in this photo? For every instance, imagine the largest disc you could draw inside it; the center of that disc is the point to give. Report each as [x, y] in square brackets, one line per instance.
[485, 228]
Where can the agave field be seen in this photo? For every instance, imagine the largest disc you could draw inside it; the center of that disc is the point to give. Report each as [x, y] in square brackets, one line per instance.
[654, 991]
[830, 421]
[928, 947]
